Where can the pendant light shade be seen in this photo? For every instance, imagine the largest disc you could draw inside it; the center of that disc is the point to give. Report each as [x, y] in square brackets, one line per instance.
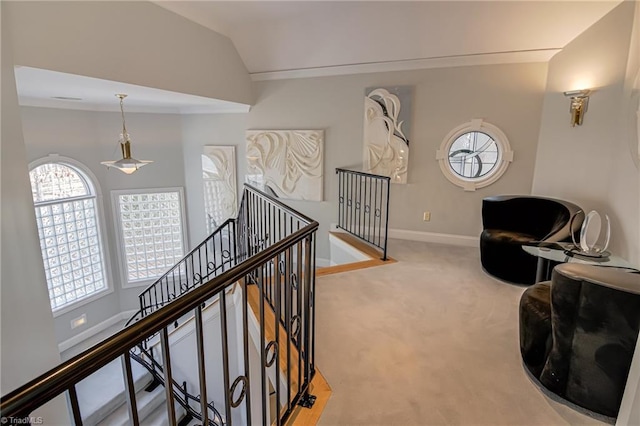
[127, 164]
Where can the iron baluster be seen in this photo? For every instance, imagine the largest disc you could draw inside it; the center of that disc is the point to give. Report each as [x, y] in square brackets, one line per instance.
[276, 316]
[263, 357]
[298, 287]
[225, 355]
[386, 223]
[245, 345]
[363, 206]
[129, 388]
[166, 360]
[307, 306]
[287, 321]
[189, 286]
[202, 375]
[75, 407]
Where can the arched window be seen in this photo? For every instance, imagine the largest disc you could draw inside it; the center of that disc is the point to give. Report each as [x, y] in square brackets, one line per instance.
[219, 181]
[212, 193]
[70, 240]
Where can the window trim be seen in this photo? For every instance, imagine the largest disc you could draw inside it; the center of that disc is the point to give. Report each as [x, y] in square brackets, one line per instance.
[122, 260]
[94, 186]
[505, 155]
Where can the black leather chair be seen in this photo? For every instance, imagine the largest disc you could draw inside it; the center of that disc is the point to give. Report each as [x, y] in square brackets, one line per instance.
[578, 333]
[509, 221]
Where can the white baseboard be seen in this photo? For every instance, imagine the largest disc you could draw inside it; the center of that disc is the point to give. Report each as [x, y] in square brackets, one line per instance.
[90, 332]
[322, 263]
[426, 237]
[433, 237]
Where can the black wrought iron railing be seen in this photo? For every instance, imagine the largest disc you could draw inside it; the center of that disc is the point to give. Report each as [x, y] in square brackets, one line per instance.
[216, 254]
[272, 269]
[363, 206]
[146, 358]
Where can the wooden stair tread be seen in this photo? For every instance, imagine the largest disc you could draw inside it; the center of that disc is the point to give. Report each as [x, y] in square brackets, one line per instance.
[254, 297]
[318, 386]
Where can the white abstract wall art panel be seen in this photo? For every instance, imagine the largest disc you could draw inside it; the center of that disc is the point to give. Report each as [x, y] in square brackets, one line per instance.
[386, 147]
[220, 187]
[286, 163]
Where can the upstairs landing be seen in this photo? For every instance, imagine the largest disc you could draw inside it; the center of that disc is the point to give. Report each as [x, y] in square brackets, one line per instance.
[371, 255]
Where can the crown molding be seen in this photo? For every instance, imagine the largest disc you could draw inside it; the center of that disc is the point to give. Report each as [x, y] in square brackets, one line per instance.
[151, 109]
[541, 55]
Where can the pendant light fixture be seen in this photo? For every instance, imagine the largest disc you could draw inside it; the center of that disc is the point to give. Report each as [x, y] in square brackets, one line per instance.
[127, 164]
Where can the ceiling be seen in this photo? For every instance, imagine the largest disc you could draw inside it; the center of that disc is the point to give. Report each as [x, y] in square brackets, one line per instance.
[305, 38]
[332, 37]
[38, 87]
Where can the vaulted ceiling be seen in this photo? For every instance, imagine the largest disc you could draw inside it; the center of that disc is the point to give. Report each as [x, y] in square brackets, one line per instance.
[304, 38]
[277, 36]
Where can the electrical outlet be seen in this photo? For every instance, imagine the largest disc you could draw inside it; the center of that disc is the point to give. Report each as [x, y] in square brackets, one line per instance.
[426, 216]
[77, 322]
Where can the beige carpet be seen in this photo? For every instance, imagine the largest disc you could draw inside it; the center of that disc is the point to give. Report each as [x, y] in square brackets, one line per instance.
[428, 340]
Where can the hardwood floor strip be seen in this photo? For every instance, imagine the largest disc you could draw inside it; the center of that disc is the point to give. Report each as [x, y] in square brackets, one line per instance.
[350, 267]
[361, 246]
[319, 386]
[253, 294]
[310, 416]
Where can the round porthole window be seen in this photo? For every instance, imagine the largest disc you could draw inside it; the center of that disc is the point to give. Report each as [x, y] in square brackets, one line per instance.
[474, 155]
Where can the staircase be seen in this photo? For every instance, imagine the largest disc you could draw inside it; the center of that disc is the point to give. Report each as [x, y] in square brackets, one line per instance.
[102, 398]
[268, 251]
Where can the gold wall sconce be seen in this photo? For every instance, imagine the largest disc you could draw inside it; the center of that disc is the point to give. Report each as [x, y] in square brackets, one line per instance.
[578, 106]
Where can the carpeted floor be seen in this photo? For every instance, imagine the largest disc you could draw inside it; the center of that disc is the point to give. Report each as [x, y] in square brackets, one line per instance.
[426, 341]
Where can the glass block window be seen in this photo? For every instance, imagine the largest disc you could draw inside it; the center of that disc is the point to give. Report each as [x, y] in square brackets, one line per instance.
[151, 232]
[65, 206]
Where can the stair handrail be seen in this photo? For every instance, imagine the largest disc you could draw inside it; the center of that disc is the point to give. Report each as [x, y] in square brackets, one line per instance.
[145, 309]
[23, 400]
[240, 253]
[19, 403]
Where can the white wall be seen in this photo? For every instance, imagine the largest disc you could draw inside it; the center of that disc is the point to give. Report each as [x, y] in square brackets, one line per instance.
[630, 406]
[198, 131]
[28, 344]
[592, 165]
[134, 42]
[509, 96]
[92, 137]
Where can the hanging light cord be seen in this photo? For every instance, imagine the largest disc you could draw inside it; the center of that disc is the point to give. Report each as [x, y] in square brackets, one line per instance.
[126, 164]
[124, 128]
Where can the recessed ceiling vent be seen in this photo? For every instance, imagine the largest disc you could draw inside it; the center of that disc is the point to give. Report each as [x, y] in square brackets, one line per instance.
[66, 98]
